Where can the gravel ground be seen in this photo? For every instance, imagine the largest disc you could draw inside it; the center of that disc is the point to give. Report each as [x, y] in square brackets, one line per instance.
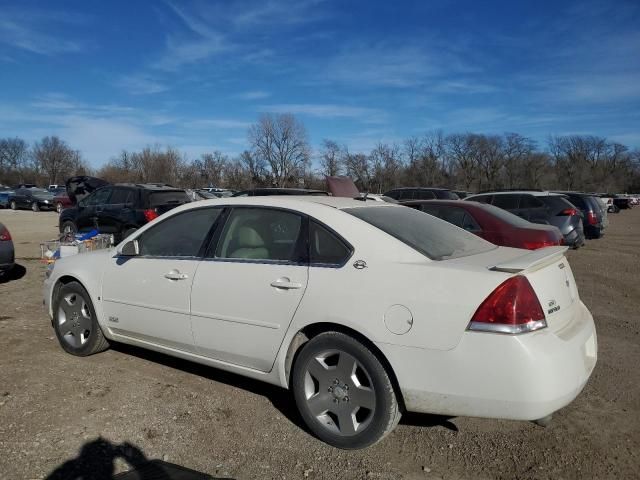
[110, 410]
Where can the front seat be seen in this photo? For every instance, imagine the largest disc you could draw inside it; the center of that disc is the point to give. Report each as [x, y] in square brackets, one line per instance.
[250, 245]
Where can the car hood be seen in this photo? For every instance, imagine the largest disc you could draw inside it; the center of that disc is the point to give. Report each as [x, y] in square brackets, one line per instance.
[81, 186]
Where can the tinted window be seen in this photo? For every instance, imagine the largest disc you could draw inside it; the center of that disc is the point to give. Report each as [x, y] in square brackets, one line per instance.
[556, 204]
[529, 201]
[395, 194]
[121, 196]
[99, 197]
[260, 234]
[325, 247]
[469, 223]
[157, 199]
[424, 195]
[453, 215]
[507, 202]
[447, 195]
[181, 235]
[578, 201]
[482, 198]
[507, 217]
[428, 235]
[431, 210]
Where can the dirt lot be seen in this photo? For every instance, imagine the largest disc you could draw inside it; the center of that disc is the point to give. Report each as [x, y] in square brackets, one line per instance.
[52, 405]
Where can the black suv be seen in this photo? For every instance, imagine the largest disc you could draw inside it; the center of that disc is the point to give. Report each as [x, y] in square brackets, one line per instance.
[421, 193]
[120, 209]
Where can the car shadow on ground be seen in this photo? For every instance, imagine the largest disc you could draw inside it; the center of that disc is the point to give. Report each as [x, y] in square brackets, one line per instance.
[96, 461]
[279, 397]
[16, 273]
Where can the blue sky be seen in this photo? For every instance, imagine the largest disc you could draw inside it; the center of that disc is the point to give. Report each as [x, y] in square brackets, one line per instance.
[195, 74]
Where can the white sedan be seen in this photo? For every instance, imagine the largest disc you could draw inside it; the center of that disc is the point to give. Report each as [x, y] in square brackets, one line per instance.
[363, 309]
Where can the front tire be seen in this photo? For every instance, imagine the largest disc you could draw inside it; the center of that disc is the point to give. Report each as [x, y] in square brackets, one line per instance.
[13, 205]
[75, 322]
[343, 392]
[59, 208]
[35, 207]
[68, 227]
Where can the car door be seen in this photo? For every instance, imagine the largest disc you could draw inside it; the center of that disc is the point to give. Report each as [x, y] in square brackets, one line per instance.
[248, 288]
[110, 215]
[89, 207]
[18, 197]
[146, 297]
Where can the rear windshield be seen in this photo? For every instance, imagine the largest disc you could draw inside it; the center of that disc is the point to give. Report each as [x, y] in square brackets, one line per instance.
[177, 197]
[505, 216]
[432, 237]
[556, 203]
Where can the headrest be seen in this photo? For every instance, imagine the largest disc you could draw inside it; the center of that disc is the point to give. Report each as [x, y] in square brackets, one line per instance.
[248, 237]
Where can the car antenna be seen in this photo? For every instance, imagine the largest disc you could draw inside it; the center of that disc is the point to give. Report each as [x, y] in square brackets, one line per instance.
[363, 198]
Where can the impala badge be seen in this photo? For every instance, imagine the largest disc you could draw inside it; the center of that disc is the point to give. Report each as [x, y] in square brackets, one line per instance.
[359, 264]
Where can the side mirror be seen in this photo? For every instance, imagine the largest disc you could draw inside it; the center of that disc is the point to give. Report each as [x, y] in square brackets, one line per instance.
[130, 249]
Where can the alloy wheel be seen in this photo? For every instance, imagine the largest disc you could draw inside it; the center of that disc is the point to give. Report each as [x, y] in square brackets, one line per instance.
[339, 392]
[74, 320]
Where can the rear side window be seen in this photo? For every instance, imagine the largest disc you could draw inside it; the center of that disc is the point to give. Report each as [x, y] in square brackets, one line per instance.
[261, 234]
[529, 201]
[395, 194]
[448, 195]
[426, 234]
[482, 198]
[431, 210]
[424, 195]
[180, 235]
[578, 201]
[325, 248]
[121, 196]
[506, 202]
[99, 197]
[453, 215]
[158, 199]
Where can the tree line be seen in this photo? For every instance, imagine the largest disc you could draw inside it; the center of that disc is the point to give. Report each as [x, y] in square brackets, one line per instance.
[279, 154]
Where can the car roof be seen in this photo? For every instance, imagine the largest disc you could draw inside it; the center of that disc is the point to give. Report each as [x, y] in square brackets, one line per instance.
[148, 186]
[421, 188]
[535, 193]
[297, 201]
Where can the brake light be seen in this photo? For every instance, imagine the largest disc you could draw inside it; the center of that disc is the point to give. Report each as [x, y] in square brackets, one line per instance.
[150, 214]
[569, 212]
[5, 236]
[591, 218]
[512, 307]
[540, 244]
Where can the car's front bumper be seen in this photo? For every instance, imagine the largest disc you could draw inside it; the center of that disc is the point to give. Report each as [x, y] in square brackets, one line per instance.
[520, 377]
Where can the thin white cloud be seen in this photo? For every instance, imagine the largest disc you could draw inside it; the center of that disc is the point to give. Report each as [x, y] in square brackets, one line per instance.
[223, 123]
[325, 110]
[254, 95]
[32, 30]
[141, 85]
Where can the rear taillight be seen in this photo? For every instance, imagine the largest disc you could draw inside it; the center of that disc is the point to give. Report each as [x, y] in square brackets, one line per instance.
[540, 244]
[569, 212]
[513, 307]
[5, 236]
[592, 219]
[150, 214]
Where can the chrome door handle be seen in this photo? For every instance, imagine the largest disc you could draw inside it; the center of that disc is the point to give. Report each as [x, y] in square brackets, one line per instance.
[176, 275]
[285, 284]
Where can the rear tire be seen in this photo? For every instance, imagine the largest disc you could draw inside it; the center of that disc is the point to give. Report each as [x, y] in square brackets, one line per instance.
[59, 208]
[75, 322]
[343, 392]
[13, 205]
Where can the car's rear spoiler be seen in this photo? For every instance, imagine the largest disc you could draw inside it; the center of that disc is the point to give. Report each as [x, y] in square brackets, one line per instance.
[530, 261]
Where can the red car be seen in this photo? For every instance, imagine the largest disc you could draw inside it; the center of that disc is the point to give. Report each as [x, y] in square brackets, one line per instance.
[491, 223]
[62, 201]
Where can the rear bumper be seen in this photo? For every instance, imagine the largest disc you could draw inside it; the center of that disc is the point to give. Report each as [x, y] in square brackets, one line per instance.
[522, 377]
[574, 238]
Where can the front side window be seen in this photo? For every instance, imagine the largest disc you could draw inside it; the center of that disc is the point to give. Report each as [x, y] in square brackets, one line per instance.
[180, 235]
[325, 248]
[261, 234]
[99, 197]
[432, 237]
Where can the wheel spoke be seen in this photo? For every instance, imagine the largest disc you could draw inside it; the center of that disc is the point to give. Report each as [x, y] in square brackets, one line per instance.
[346, 421]
[84, 310]
[319, 404]
[70, 300]
[362, 397]
[319, 371]
[346, 366]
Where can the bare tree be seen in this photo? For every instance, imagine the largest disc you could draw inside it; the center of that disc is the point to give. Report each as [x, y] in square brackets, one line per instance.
[14, 156]
[331, 159]
[281, 142]
[461, 150]
[55, 159]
